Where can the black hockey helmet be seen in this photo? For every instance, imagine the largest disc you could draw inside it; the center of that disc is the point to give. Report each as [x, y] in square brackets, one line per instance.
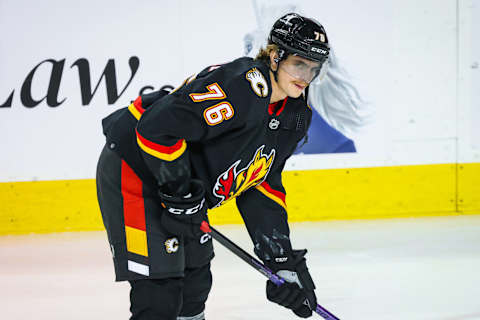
[301, 36]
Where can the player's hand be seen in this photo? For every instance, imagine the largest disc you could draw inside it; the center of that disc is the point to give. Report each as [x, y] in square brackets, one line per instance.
[184, 214]
[297, 293]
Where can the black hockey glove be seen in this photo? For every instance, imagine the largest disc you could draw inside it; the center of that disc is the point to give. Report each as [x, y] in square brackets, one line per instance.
[184, 214]
[297, 293]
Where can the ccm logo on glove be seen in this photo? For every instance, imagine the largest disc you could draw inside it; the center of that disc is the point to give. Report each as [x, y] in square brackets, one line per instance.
[186, 211]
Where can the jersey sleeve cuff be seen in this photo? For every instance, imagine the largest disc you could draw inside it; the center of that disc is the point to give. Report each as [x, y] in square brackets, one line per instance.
[167, 153]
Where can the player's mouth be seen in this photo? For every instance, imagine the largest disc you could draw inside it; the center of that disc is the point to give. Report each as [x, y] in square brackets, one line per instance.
[300, 86]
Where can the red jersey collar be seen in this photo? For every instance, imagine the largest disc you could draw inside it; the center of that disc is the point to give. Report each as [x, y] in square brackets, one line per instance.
[273, 106]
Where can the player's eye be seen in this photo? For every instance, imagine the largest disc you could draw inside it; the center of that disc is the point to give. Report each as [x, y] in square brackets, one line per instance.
[301, 66]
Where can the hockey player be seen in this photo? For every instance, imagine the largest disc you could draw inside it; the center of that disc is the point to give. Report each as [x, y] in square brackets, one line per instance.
[223, 134]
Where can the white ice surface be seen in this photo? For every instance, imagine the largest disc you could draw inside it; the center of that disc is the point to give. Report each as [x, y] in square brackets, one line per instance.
[422, 268]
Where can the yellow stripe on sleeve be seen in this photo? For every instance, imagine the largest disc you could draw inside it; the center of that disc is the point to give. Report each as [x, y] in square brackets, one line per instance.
[271, 196]
[164, 156]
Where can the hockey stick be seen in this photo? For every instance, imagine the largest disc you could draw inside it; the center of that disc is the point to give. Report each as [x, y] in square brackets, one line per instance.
[242, 254]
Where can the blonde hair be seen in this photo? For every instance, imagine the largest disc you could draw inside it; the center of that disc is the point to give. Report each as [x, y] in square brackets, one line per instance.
[264, 53]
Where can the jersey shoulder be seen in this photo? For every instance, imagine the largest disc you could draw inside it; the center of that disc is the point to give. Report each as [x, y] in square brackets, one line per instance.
[243, 78]
[244, 83]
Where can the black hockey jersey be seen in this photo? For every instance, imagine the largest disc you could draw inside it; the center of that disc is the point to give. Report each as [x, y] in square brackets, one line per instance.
[236, 141]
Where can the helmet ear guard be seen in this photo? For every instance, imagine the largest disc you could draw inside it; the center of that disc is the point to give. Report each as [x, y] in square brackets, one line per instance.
[280, 55]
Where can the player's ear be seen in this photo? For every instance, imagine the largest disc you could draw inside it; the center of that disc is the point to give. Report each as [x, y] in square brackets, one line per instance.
[274, 60]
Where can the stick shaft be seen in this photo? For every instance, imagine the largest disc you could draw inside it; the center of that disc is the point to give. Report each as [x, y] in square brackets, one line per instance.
[252, 261]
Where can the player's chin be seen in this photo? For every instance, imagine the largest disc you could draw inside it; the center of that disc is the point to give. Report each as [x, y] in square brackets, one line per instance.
[296, 91]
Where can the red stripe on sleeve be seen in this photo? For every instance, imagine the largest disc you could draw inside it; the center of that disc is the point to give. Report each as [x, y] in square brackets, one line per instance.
[133, 202]
[160, 148]
[276, 193]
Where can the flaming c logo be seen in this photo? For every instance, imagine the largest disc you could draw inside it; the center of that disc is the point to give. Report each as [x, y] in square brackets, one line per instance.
[232, 183]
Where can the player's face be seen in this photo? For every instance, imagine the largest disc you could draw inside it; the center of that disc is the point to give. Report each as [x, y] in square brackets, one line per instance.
[301, 68]
[295, 74]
